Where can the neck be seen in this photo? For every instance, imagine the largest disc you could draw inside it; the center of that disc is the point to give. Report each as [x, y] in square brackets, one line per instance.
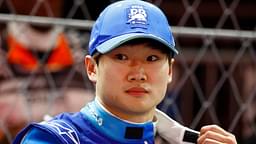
[131, 117]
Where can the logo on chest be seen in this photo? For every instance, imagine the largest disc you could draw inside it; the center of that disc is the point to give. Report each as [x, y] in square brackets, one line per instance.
[64, 130]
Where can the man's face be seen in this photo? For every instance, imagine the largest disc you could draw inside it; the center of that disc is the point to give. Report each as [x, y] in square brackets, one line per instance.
[132, 80]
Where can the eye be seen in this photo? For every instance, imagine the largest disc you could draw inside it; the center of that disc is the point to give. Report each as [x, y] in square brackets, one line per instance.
[121, 57]
[152, 58]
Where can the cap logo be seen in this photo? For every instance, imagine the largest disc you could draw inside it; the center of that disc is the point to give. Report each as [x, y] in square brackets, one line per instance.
[137, 16]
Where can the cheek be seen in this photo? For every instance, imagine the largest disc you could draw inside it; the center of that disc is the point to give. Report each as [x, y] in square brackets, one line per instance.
[160, 80]
[112, 74]
[111, 81]
[161, 75]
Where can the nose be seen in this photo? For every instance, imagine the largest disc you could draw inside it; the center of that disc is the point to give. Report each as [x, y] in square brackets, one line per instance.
[137, 74]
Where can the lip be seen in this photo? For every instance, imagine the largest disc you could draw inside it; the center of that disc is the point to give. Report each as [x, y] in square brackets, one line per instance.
[137, 91]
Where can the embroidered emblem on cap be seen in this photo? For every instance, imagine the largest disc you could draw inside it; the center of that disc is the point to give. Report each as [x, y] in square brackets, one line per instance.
[137, 16]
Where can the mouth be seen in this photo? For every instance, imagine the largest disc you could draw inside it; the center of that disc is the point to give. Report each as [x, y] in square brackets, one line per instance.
[137, 91]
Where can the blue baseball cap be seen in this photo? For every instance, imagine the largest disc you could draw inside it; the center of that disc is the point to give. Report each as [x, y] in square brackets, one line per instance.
[127, 20]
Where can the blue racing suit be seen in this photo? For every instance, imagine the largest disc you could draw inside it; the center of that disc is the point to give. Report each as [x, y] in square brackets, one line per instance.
[92, 125]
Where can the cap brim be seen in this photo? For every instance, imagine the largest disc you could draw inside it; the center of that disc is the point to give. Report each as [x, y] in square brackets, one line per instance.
[119, 40]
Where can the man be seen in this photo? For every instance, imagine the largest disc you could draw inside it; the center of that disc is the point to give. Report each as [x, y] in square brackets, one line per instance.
[130, 62]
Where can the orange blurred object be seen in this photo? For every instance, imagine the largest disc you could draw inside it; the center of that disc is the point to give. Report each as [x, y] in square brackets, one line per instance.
[59, 57]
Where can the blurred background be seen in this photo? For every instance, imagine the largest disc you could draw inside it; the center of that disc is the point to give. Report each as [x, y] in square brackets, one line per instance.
[43, 43]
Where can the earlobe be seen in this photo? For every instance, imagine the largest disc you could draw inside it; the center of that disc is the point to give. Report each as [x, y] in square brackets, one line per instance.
[91, 66]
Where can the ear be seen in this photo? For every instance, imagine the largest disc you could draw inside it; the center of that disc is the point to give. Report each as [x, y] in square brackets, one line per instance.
[170, 71]
[91, 66]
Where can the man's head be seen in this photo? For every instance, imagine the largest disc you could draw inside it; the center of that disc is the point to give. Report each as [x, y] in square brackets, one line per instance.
[128, 20]
[135, 46]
